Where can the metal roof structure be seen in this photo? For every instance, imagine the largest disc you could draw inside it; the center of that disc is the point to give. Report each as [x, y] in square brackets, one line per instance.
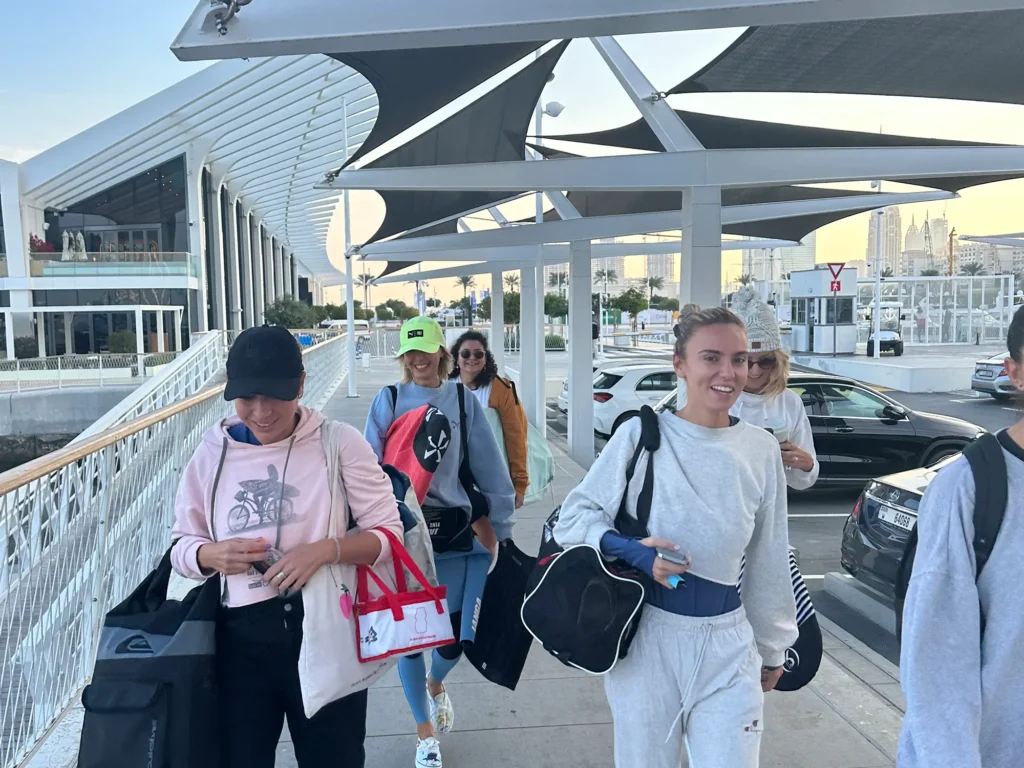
[266, 128]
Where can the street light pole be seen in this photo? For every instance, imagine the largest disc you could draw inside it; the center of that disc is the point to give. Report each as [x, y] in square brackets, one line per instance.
[350, 310]
[878, 282]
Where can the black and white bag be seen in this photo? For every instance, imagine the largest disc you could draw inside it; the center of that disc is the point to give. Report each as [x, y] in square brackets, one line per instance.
[584, 610]
[153, 696]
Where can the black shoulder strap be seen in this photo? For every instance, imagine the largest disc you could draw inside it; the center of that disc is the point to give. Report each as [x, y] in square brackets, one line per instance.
[394, 395]
[988, 465]
[650, 441]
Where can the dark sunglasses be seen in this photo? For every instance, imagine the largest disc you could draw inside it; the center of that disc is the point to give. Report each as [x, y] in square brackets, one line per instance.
[765, 363]
[476, 354]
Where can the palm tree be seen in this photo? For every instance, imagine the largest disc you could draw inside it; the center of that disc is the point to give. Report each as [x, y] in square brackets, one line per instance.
[929, 273]
[512, 281]
[973, 269]
[887, 272]
[654, 284]
[556, 279]
[605, 276]
[746, 279]
[467, 282]
[365, 281]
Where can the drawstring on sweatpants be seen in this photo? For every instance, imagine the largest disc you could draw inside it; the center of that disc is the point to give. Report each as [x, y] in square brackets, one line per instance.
[705, 630]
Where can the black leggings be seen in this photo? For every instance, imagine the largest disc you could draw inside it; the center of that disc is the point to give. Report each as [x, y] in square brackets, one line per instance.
[258, 673]
[452, 651]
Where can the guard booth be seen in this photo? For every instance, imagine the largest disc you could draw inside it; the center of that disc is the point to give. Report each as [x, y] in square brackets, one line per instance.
[823, 310]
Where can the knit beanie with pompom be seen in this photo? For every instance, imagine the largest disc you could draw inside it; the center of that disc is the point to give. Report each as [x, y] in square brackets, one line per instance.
[762, 327]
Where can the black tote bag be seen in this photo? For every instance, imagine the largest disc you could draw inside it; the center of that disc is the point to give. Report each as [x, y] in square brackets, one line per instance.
[153, 696]
[502, 643]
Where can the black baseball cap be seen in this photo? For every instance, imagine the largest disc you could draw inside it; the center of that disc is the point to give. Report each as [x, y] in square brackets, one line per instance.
[264, 361]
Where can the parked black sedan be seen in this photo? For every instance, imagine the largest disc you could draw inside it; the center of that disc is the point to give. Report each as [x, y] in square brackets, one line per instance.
[875, 535]
[861, 434]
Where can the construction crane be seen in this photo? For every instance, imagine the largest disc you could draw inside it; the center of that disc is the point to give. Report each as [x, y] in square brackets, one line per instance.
[952, 268]
[926, 230]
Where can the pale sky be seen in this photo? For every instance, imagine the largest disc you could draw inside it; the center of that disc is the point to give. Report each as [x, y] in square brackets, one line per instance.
[81, 62]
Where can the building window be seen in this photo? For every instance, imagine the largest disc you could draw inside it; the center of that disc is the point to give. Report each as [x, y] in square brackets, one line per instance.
[845, 311]
[799, 311]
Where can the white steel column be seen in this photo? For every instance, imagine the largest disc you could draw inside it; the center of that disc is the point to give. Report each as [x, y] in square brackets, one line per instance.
[140, 339]
[9, 333]
[249, 312]
[700, 263]
[195, 157]
[581, 356]
[279, 271]
[69, 341]
[177, 330]
[235, 321]
[160, 345]
[295, 276]
[498, 320]
[528, 340]
[220, 309]
[268, 269]
[41, 333]
[877, 311]
[16, 235]
[259, 296]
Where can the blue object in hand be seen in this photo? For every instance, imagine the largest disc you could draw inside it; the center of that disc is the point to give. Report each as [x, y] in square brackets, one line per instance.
[676, 580]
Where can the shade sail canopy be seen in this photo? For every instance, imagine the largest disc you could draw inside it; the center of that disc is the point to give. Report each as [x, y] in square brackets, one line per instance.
[491, 129]
[449, 227]
[794, 228]
[414, 84]
[921, 56]
[718, 132]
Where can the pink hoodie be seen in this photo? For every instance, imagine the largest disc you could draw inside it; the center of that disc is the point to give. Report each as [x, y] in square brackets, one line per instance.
[256, 480]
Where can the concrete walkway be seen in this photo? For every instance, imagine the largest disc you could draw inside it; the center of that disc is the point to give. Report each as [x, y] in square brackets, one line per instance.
[849, 717]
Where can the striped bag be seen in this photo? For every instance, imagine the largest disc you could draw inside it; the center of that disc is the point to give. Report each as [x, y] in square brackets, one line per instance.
[804, 657]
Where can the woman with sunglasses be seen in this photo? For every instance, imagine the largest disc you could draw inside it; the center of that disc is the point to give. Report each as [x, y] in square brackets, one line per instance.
[765, 401]
[475, 367]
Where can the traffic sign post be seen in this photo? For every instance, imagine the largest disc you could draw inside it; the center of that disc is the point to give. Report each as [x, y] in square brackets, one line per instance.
[836, 286]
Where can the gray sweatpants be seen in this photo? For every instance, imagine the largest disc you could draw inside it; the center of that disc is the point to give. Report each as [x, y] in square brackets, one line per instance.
[704, 673]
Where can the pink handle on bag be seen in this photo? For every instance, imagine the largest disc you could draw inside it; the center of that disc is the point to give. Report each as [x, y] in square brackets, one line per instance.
[400, 556]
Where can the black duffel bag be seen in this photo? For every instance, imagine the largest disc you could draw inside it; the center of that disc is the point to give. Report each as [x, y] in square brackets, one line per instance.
[153, 696]
[584, 610]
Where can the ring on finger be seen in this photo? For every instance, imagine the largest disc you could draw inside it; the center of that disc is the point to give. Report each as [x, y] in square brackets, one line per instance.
[281, 576]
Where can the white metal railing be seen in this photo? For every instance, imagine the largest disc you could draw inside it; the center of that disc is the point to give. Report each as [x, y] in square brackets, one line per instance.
[188, 374]
[62, 371]
[81, 527]
[382, 342]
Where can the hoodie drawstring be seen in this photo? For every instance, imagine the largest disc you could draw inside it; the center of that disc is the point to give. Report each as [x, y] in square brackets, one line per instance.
[705, 631]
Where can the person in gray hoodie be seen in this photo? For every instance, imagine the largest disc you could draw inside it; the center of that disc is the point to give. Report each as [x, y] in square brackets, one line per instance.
[964, 687]
[701, 660]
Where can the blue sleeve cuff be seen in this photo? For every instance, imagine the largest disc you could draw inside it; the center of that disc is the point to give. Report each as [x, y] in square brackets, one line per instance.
[614, 544]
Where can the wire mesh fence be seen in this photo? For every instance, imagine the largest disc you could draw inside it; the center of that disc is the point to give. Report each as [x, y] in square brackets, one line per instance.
[82, 526]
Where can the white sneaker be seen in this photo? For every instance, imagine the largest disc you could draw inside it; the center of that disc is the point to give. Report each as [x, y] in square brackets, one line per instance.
[428, 753]
[442, 713]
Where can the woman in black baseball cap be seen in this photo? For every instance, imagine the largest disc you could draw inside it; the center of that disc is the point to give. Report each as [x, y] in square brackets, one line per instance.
[256, 505]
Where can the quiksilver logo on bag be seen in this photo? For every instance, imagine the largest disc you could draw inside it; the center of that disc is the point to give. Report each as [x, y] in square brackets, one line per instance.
[134, 644]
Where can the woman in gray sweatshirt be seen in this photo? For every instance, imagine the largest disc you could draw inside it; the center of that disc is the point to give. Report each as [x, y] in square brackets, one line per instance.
[699, 657]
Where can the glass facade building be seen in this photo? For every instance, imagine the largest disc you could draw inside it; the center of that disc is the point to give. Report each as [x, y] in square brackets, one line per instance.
[147, 213]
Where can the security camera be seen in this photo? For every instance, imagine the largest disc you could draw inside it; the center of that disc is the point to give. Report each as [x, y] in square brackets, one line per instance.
[874, 185]
[551, 76]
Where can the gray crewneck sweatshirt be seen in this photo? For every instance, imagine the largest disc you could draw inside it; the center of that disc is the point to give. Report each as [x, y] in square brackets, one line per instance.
[964, 692]
[718, 494]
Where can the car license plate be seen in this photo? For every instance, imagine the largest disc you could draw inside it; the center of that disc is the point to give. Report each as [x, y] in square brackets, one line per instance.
[984, 374]
[897, 518]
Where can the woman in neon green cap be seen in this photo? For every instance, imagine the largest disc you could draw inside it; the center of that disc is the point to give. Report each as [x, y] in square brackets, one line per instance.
[469, 506]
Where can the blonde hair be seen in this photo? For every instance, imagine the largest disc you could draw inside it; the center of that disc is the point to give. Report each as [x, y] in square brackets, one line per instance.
[779, 375]
[445, 366]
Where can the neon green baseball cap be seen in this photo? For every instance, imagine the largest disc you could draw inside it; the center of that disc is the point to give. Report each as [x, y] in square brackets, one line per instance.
[422, 334]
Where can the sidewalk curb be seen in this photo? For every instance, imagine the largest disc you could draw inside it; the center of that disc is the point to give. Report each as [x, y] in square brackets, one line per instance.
[852, 593]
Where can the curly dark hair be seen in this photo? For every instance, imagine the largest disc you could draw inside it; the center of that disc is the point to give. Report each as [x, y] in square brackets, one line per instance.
[490, 367]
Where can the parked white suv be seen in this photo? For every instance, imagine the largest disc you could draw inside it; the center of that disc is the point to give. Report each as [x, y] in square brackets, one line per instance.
[620, 392]
[563, 396]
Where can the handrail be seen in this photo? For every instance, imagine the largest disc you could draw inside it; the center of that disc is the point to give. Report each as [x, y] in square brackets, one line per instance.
[15, 478]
